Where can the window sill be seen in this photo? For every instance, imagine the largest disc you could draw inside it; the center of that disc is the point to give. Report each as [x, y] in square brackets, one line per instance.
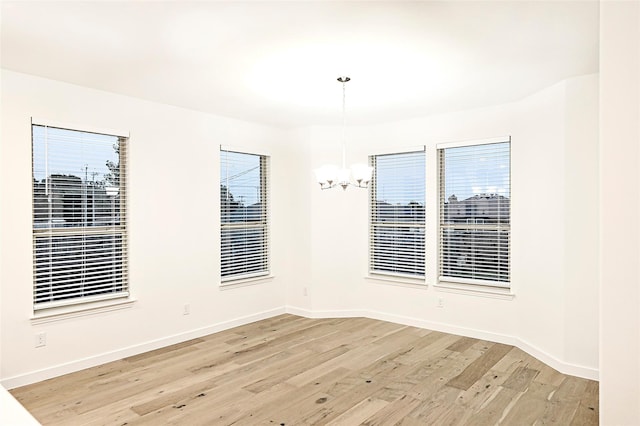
[81, 310]
[397, 281]
[475, 290]
[243, 282]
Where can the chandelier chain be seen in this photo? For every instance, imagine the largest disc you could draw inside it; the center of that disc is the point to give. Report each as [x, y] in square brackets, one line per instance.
[344, 124]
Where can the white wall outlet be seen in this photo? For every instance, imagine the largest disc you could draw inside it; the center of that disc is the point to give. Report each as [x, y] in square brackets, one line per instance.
[305, 292]
[440, 302]
[186, 309]
[41, 339]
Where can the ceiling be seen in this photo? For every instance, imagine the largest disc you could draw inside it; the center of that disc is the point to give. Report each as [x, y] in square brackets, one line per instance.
[277, 62]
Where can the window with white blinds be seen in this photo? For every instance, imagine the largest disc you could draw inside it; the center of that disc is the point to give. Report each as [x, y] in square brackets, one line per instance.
[475, 212]
[79, 216]
[397, 219]
[244, 215]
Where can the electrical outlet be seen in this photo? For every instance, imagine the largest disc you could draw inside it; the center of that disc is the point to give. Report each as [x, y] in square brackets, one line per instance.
[440, 302]
[305, 292]
[186, 309]
[41, 339]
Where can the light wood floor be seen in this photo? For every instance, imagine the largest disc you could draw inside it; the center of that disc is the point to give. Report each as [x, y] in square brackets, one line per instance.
[289, 370]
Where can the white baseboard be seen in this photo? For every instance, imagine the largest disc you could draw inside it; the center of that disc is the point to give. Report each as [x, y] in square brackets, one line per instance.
[351, 313]
[58, 370]
[80, 364]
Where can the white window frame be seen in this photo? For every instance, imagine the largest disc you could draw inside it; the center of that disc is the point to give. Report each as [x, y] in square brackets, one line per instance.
[483, 285]
[378, 273]
[262, 224]
[117, 230]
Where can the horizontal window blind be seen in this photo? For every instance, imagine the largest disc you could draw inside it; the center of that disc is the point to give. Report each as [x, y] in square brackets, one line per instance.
[244, 215]
[397, 215]
[475, 212]
[79, 216]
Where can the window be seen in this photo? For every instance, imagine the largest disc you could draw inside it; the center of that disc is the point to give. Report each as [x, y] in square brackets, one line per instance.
[475, 203]
[397, 202]
[244, 215]
[79, 216]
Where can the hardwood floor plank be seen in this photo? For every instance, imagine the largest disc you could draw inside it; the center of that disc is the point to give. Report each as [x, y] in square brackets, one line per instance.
[359, 355]
[588, 410]
[273, 412]
[422, 376]
[495, 407]
[120, 388]
[52, 391]
[479, 367]
[163, 399]
[562, 414]
[193, 409]
[436, 343]
[355, 355]
[352, 389]
[393, 412]
[527, 410]
[265, 399]
[462, 344]
[443, 369]
[584, 416]
[442, 408]
[571, 389]
[410, 421]
[273, 344]
[482, 390]
[242, 375]
[520, 379]
[359, 412]
[293, 369]
[590, 397]
[300, 371]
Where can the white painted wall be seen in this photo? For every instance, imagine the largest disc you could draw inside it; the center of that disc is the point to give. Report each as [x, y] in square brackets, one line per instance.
[581, 221]
[174, 221]
[297, 173]
[554, 227]
[619, 213]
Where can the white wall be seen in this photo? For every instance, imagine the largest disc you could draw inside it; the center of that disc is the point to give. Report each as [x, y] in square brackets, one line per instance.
[1, 239]
[620, 213]
[581, 221]
[174, 221]
[554, 227]
[297, 173]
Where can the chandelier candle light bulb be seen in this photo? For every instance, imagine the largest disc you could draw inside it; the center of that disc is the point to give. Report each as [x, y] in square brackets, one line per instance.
[330, 176]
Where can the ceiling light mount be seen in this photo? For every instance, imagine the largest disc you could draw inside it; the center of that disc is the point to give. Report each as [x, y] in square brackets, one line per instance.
[329, 175]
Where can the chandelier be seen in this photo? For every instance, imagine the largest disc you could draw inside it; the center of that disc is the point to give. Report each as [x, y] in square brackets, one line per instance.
[330, 175]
